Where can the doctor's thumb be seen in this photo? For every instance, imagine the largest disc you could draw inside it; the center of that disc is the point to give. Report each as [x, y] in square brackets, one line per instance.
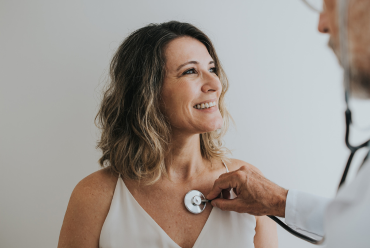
[226, 204]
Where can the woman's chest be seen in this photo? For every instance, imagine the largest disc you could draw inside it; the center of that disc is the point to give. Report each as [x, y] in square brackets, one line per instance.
[165, 205]
[158, 219]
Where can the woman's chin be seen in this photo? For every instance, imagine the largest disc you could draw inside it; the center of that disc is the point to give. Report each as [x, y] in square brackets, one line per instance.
[212, 126]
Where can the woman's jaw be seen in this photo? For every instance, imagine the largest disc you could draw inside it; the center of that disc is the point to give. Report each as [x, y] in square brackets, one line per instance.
[208, 116]
[198, 121]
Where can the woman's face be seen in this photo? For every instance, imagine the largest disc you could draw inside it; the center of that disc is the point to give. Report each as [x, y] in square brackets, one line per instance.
[189, 86]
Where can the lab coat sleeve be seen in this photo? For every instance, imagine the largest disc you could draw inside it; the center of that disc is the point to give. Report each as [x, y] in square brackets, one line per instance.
[305, 213]
[347, 219]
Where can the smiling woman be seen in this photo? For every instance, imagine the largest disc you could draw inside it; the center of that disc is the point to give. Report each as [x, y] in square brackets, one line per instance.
[162, 118]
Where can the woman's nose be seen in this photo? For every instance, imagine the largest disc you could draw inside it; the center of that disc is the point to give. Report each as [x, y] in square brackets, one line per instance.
[323, 26]
[210, 82]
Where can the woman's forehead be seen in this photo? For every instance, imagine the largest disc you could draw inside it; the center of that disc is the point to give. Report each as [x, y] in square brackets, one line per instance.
[184, 49]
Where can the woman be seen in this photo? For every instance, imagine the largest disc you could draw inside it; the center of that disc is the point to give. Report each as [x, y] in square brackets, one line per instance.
[162, 119]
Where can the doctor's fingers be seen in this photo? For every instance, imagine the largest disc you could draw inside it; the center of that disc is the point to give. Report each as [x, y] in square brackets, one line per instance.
[240, 205]
[232, 180]
[235, 205]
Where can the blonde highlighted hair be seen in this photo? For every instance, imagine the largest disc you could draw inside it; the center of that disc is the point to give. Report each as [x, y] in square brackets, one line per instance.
[135, 133]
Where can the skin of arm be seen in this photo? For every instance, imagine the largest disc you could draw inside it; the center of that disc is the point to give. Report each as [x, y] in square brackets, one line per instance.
[266, 230]
[87, 209]
[266, 233]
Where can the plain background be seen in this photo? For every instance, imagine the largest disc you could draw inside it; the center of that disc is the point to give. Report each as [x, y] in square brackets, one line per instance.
[285, 96]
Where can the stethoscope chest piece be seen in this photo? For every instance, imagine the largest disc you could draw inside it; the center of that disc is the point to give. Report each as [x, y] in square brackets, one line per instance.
[195, 201]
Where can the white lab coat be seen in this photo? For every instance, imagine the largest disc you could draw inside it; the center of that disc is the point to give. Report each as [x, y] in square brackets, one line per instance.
[344, 220]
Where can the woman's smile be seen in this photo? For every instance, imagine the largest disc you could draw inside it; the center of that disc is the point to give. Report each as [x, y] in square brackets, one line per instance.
[205, 105]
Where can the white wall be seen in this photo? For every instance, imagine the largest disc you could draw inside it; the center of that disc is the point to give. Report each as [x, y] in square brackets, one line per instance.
[285, 97]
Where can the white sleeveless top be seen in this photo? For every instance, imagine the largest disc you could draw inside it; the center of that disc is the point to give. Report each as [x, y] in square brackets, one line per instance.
[128, 225]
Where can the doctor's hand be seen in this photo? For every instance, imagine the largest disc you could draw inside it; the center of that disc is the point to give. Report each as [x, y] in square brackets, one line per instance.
[256, 195]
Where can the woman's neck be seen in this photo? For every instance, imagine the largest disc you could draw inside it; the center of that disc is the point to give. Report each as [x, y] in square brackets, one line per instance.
[184, 160]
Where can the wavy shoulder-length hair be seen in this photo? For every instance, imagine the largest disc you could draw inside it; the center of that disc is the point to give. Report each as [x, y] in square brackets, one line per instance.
[136, 135]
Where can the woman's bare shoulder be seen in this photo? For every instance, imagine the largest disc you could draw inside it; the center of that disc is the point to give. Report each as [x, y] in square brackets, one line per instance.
[234, 164]
[87, 209]
[95, 191]
[101, 183]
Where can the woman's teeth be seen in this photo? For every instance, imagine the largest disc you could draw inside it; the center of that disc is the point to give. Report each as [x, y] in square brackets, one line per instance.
[205, 105]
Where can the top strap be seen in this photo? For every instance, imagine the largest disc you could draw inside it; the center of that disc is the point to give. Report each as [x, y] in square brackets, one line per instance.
[227, 169]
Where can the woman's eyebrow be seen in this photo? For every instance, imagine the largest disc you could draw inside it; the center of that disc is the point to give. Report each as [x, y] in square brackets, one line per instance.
[187, 63]
[192, 62]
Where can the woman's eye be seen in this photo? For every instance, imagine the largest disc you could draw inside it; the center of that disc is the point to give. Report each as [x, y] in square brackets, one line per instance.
[191, 71]
[213, 70]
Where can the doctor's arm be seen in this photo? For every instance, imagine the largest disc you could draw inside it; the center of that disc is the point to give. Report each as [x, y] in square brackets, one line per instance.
[259, 196]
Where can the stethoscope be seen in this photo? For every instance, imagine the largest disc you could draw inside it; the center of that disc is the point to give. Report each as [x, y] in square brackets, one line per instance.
[195, 202]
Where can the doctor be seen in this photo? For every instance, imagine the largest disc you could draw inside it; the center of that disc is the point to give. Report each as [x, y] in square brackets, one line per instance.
[345, 220]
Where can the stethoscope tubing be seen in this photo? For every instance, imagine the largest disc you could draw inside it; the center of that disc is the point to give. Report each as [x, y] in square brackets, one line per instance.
[353, 150]
[295, 233]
